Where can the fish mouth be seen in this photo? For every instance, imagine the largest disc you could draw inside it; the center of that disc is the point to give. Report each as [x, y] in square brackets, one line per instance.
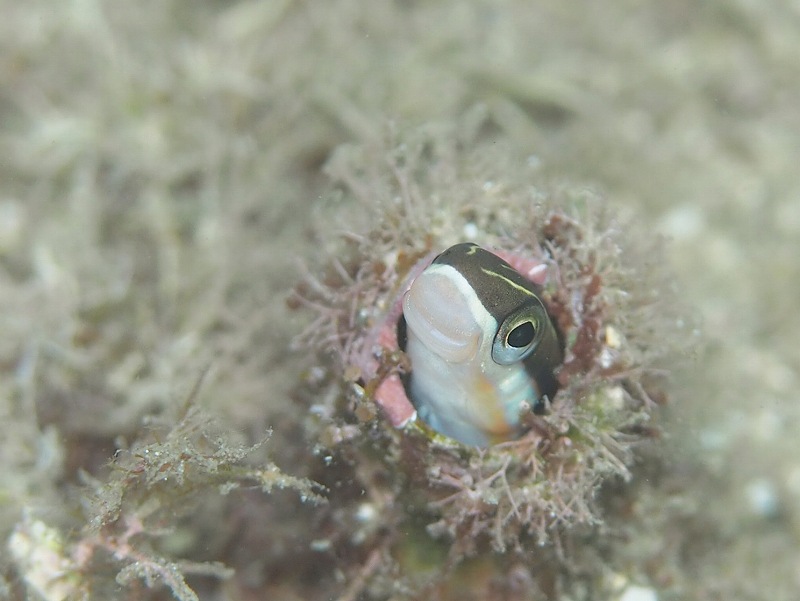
[439, 315]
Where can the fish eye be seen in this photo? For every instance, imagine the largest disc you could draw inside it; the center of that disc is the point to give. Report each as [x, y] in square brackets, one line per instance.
[522, 335]
[516, 338]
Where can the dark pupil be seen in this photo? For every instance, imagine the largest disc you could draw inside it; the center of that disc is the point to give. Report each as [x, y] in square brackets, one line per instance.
[521, 336]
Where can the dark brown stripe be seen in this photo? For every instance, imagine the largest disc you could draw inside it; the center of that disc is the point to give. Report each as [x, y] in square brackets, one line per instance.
[496, 295]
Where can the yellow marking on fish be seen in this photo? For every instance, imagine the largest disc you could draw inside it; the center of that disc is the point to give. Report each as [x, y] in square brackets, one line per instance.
[488, 409]
[507, 281]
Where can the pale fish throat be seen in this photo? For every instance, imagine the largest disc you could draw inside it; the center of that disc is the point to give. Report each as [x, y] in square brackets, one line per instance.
[481, 345]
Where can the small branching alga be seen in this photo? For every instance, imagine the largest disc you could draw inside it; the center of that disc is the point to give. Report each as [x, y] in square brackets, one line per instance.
[151, 486]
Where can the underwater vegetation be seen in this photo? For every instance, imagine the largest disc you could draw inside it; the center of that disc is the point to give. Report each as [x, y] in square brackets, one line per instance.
[392, 474]
[159, 479]
[160, 160]
[161, 163]
[427, 498]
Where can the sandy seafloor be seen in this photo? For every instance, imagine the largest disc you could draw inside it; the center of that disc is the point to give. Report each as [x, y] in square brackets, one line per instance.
[160, 163]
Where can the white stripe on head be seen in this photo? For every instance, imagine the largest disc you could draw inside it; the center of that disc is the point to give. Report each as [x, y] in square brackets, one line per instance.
[442, 309]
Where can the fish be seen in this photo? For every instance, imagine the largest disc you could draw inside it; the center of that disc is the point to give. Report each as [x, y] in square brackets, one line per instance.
[482, 347]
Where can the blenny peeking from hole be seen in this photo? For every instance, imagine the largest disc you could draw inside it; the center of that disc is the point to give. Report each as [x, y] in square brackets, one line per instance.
[496, 382]
[481, 344]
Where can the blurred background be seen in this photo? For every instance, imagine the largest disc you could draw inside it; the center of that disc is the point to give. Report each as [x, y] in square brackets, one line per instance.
[159, 161]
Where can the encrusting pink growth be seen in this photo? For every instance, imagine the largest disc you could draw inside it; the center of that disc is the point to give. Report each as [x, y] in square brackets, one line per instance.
[391, 397]
[531, 269]
[390, 394]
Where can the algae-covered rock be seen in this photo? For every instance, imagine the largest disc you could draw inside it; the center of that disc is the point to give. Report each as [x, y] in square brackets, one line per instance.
[602, 284]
